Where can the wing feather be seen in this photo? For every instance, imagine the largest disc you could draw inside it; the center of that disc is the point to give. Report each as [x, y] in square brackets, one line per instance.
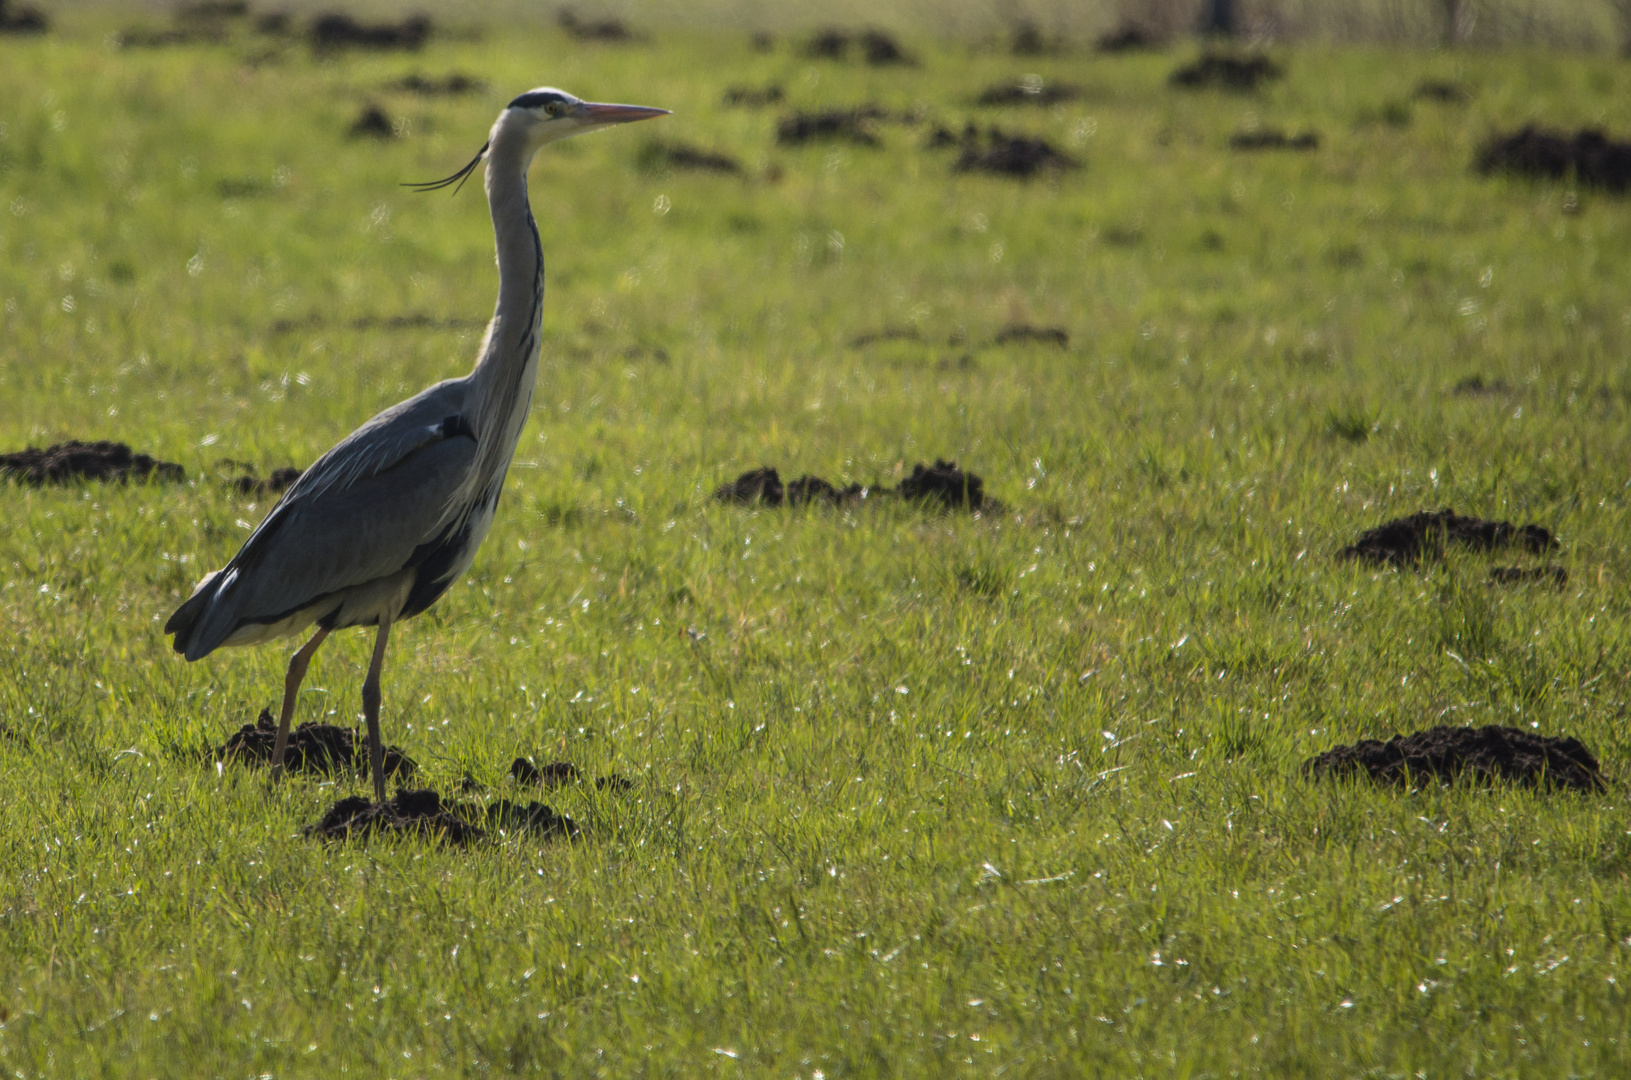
[360, 513]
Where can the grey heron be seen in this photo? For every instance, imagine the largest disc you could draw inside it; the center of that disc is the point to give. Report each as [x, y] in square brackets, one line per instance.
[382, 524]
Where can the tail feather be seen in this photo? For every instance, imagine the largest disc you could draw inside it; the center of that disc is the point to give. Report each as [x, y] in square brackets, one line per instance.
[184, 622]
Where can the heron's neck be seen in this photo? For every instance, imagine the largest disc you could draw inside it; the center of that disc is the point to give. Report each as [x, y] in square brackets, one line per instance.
[501, 384]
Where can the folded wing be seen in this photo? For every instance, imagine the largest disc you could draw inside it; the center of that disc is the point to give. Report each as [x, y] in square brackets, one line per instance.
[381, 499]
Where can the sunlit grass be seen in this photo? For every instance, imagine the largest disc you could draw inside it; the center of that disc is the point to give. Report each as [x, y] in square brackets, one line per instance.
[917, 794]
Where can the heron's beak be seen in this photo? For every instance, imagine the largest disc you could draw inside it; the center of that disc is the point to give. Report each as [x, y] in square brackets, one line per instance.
[592, 115]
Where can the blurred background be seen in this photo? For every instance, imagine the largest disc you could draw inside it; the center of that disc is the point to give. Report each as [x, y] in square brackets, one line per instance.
[1572, 24]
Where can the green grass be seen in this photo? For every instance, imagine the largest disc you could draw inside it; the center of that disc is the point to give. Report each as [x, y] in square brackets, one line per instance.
[918, 795]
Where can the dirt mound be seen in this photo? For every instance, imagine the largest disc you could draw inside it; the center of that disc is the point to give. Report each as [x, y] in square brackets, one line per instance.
[337, 30]
[852, 125]
[1445, 93]
[1273, 139]
[22, 20]
[417, 321]
[1012, 155]
[945, 483]
[452, 85]
[608, 29]
[942, 483]
[751, 97]
[1026, 334]
[1224, 72]
[1555, 576]
[534, 817]
[245, 479]
[423, 813]
[557, 773]
[66, 462]
[1477, 386]
[418, 813]
[1406, 541]
[1026, 39]
[1589, 156]
[875, 46]
[765, 486]
[659, 156]
[1447, 754]
[888, 333]
[372, 123]
[1031, 90]
[1129, 37]
[312, 747]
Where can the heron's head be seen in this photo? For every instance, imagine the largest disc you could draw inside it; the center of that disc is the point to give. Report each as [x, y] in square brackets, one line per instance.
[543, 116]
[546, 115]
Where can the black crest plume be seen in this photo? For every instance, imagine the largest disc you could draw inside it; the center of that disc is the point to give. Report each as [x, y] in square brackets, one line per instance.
[459, 177]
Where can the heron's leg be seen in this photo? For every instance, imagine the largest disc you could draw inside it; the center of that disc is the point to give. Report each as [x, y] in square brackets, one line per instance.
[291, 687]
[370, 710]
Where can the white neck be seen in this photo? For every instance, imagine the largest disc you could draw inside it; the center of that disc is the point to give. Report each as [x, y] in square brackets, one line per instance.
[501, 385]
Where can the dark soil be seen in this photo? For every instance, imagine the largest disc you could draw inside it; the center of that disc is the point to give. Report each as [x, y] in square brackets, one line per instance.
[1588, 156]
[319, 748]
[381, 322]
[372, 123]
[213, 9]
[813, 489]
[658, 156]
[138, 37]
[414, 322]
[1406, 541]
[423, 813]
[557, 773]
[452, 85]
[1273, 139]
[753, 97]
[1224, 72]
[1555, 576]
[245, 479]
[1445, 93]
[534, 817]
[892, 333]
[943, 484]
[1129, 37]
[608, 29]
[1028, 91]
[1480, 755]
[875, 46]
[418, 813]
[1009, 155]
[22, 20]
[764, 485]
[74, 460]
[337, 30]
[879, 49]
[1476, 386]
[1027, 40]
[1025, 333]
[852, 125]
[761, 485]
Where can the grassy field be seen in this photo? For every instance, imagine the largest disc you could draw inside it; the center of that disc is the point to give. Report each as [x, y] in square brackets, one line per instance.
[916, 794]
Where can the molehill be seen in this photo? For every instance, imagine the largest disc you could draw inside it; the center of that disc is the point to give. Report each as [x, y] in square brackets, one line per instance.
[1482, 755]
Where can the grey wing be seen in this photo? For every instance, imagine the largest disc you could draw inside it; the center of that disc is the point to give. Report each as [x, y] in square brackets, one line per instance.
[366, 510]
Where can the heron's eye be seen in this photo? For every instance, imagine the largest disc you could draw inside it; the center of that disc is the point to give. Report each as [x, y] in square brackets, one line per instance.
[553, 108]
